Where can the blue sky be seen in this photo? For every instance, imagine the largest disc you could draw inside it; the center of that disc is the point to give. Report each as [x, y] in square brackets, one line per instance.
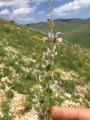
[30, 11]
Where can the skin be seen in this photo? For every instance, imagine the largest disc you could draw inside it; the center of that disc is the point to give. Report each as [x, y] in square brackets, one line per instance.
[62, 113]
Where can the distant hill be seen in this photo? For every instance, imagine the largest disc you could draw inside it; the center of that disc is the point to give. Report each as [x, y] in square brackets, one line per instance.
[75, 30]
[21, 50]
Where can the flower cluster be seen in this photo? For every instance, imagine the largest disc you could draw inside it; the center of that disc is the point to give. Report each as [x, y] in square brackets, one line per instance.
[46, 77]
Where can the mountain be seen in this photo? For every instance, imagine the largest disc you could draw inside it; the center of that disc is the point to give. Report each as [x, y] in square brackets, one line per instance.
[75, 30]
[21, 50]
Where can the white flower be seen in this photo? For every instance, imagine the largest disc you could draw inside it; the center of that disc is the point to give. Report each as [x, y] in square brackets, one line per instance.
[45, 38]
[56, 53]
[48, 50]
[40, 78]
[58, 34]
[54, 48]
[53, 87]
[59, 40]
[50, 35]
[43, 66]
[56, 82]
[56, 94]
[35, 99]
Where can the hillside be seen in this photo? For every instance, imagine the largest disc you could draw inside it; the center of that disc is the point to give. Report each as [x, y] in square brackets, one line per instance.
[20, 55]
[75, 30]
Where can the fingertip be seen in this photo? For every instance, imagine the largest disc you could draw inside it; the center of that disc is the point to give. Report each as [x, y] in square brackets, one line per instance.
[50, 111]
[53, 112]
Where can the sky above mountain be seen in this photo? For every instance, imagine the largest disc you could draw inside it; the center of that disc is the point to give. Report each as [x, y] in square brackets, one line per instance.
[30, 11]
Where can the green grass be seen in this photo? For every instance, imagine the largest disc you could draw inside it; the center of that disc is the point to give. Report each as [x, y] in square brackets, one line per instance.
[5, 107]
[9, 94]
[21, 51]
[28, 103]
[69, 86]
[2, 52]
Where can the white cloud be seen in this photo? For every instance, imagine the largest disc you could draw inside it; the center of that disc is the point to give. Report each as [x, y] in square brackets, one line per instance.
[23, 11]
[19, 11]
[73, 6]
[22, 3]
[5, 12]
[19, 8]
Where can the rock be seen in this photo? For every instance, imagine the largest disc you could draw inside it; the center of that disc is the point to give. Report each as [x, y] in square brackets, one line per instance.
[17, 107]
[70, 103]
[67, 95]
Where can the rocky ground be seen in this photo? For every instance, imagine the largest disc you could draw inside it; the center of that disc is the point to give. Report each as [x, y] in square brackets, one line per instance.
[16, 103]
[16, 106]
